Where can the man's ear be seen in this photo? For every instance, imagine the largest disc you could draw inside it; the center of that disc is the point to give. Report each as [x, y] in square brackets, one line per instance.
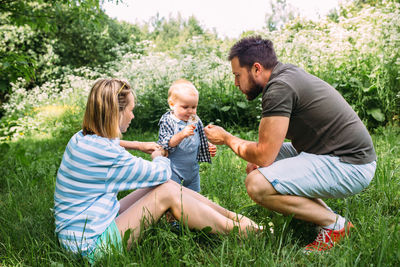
[257, 68]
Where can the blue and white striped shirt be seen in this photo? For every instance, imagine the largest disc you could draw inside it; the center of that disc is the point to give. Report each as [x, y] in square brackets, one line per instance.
[92, 172]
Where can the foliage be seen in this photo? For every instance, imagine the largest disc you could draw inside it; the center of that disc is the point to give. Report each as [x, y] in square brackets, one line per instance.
[39, 14]
[356, 51]
[36, 111]
[358, 54]
[28, 168]
[166, 34]
[281, 13]
[93, 41]
[210, 75]
[39, 37]
[17, 59]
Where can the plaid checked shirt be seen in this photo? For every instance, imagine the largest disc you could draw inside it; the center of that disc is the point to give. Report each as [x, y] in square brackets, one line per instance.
[167, 125]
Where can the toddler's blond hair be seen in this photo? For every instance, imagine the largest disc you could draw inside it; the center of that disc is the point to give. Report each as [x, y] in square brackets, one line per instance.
[180, 87]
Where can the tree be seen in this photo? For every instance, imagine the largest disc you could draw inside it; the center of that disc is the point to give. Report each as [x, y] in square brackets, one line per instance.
[168, 33]
[70, 32]
[281, 13]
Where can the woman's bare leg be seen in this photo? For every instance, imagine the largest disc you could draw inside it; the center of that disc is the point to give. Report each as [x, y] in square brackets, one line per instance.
[128, 200]
[227, 213]
[196, 214]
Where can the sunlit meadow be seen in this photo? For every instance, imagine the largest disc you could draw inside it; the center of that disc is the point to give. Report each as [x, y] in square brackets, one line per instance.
[359, 55]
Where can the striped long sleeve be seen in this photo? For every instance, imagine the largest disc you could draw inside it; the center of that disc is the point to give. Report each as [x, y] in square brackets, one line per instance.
[92, 172]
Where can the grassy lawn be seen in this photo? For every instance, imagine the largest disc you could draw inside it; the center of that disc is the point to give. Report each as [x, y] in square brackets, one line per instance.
[27, 177]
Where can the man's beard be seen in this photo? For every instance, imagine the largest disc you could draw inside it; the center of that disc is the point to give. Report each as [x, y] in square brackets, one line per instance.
[254, 89]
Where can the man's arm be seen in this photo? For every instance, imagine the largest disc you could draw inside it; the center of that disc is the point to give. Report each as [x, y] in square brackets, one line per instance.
[271, 134]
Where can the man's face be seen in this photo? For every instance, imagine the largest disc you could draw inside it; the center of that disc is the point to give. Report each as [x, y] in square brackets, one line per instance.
[245, 81]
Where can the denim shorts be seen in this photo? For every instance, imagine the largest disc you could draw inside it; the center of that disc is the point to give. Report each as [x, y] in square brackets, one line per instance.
[316, 176]
[110, 240]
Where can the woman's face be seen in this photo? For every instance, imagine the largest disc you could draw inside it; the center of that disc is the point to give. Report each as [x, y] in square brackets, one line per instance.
[127, 114]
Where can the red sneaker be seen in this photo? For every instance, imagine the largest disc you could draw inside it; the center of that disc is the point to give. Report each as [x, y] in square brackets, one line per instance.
[327, 238]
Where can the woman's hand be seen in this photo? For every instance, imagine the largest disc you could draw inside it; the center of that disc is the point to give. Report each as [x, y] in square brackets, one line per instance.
[149, 147]
[213, 149]
[159, 152]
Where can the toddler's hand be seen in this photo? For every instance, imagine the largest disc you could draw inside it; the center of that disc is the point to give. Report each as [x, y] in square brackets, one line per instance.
[188, 130]
[213, 149]
[159, 152]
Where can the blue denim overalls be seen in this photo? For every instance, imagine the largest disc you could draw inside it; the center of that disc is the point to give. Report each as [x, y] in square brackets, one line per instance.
[184, 165]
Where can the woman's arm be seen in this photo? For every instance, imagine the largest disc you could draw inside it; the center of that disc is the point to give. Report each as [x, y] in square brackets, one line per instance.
[146, 147]
[130, 172]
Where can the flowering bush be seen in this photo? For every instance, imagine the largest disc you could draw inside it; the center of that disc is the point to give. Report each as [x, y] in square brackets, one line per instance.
[358, 54]
[152, 75]
[41, 109]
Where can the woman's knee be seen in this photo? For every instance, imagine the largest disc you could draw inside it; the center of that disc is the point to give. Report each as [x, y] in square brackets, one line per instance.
[168, 192]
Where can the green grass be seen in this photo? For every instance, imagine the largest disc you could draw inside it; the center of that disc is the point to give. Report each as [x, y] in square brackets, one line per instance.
[27, 176]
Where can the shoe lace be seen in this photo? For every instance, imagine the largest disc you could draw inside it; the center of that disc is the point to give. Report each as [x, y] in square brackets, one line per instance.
[323, 236]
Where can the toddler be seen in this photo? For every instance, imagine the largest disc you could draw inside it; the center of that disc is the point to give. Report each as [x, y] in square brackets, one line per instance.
[182, 135]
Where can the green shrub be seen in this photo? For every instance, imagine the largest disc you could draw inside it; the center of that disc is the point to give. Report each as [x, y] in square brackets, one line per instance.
[220, 101]
[358, 53]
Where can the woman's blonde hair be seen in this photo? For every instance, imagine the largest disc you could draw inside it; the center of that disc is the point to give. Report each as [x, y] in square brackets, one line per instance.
[179, 87]
[107, 100]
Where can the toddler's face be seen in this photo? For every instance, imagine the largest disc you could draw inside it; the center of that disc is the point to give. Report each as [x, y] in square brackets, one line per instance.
[185, 106]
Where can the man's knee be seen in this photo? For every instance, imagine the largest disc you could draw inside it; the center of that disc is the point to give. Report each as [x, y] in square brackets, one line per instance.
[258, 187]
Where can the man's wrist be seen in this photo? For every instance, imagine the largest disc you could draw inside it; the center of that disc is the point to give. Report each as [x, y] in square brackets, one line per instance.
[227, 138]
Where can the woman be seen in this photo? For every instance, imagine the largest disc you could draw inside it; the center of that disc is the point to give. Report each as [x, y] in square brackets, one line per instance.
[94, 168]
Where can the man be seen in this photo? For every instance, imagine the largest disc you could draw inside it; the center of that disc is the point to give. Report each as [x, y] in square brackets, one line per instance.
[331, 154]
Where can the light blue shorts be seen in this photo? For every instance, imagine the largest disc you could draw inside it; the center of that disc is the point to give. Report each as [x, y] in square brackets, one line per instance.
[110, 240]
[316, 176]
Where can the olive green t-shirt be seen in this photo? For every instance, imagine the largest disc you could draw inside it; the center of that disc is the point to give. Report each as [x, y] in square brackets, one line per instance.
[321, 121]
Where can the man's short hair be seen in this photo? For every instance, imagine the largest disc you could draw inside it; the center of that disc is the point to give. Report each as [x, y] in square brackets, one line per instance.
[254, 49]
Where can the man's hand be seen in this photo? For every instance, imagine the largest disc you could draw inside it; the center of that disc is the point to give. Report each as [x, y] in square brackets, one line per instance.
[215, 134]
[271, 134]
[213, 149]
[250, 167]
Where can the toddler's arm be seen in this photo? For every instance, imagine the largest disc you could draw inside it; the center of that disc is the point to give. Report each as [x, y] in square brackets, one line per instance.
[146, 147]
[177, 138]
